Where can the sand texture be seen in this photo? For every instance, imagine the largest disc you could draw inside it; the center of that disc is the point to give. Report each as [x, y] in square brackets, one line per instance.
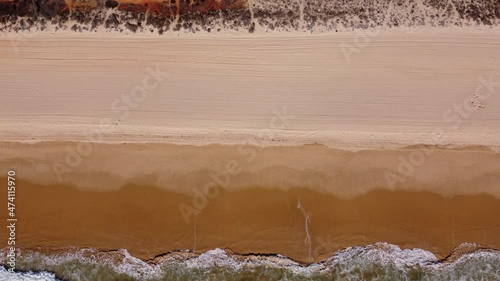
[299, 143]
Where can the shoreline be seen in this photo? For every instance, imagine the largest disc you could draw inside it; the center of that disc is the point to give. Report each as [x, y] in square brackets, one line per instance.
[309, 200]
[339, 139]
[184, 168]
[184, 263]
[118, 219]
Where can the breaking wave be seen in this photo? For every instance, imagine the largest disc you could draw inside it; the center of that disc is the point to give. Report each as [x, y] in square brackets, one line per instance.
[380, 261]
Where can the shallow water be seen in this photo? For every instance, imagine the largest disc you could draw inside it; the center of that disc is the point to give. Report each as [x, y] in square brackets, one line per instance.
[380, 261]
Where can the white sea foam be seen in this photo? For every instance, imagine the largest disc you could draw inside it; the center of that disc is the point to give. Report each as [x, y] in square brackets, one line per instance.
[381, 259]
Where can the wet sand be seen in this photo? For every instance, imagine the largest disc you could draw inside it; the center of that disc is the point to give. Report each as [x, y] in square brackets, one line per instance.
[186, 168]
[303, 202]
[147, 222]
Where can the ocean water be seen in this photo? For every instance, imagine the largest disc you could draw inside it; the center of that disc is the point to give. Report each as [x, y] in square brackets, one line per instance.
[380, 261]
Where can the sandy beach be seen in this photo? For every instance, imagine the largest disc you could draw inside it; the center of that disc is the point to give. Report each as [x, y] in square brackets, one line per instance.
[255, 220]
[399, 88]
[297, 143]
[304, 202]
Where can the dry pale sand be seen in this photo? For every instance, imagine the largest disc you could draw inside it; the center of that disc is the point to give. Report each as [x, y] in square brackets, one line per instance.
[432, 86]
[299, 149]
